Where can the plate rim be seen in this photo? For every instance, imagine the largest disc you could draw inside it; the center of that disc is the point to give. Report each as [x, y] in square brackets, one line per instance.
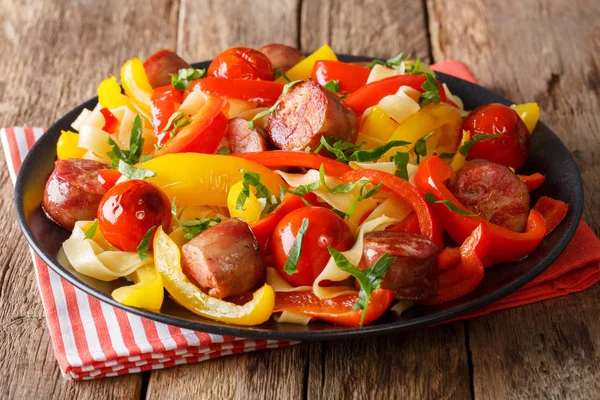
[338, 333]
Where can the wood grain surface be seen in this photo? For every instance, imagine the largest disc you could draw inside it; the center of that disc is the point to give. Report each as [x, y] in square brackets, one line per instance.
[54, 54]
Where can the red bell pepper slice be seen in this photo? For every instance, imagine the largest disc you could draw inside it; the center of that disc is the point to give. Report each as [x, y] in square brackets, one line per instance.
[264, 228]
[428, 223]
[164, 103]
[370, 94]
[255, 91]
[532, 181]
[110, 121]
[283, 158]
[108, 177]
[408, 224]
[203, 134]
[466, 276]
[337, 310]
[449, 258]
[506, 245]
[553, 211]
[349, 77]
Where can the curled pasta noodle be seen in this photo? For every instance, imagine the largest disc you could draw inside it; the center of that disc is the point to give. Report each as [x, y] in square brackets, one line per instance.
[279, 284]
[89, 258]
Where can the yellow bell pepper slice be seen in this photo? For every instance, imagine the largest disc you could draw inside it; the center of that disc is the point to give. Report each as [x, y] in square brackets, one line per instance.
[168, 263]
[370, 141]
[303, 70]
[204, 179]
[136, 85]
[529, 113]
[443, 119]
[66, 147]
[458, 160]
[252, 208]
[147, 291]
[379, 125]
[110, 96]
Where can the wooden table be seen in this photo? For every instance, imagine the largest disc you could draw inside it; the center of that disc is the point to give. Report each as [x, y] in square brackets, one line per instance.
[54, 54]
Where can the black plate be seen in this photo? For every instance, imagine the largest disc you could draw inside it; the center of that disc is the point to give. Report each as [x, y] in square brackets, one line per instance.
[548, 156]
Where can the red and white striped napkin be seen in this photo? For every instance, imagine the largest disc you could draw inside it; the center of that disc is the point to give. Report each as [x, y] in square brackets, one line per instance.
[95, 340]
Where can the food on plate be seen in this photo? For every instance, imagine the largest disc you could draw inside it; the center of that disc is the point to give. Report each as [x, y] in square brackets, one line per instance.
[273, 185]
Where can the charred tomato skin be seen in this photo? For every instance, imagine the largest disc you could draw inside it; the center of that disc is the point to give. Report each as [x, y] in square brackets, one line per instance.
[241, 63]
[129, 210]
[325, 228]
[511, 148]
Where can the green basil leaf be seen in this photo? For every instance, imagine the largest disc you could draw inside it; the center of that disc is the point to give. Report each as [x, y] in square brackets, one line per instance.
[449, 205]
[136, 141]
[91, 231]
[181, 80]
[291, 264]
[279, 73]
[431, 88]
[224, 151]
[333, 86]
[421, 146]
[346, 151]
[196, 226]
[401, 162]
[146, 158]
[133, 172]
[144, 245]
[376, 153]
[446, 155]
[464, 149]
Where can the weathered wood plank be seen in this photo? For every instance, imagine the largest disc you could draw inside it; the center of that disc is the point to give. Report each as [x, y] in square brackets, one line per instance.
[54, 55]
[269, 374]
[364, 27]
[424, 364]
[545, 52]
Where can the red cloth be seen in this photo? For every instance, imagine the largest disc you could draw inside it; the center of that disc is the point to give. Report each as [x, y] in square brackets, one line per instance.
[576, 269]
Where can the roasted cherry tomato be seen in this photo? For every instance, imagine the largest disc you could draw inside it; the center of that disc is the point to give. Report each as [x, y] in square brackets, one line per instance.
[129, 210]
[241, 62]
[511, 148]
[325, 228]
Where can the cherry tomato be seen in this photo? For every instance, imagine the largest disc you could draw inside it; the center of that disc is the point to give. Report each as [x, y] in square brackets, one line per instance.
[325, 228]
[129, 210]
[511, 148]
[241, 62]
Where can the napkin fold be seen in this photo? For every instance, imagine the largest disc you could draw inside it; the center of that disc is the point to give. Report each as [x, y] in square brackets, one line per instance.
[95, 340]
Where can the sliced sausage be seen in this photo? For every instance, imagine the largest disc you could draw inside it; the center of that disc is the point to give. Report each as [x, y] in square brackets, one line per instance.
[494, 192]
[224, 260]
[73, 192]
[244, 140]
[306, 113]
[414, 273]
[161, 64]
[282, 56]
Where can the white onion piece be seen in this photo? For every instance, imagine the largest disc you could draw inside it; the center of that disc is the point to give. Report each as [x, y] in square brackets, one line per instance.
[399, 106]
[380, 72]
[193, 103]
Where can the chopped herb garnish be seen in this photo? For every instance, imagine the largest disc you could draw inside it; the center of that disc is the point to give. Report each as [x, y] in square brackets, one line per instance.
[224, 151]
[432, 200]
[177, 120]
[401, 162]
[464, 149]
[134, 173]
[193, 227]
[267, 201]
[136, 143]
[91, 231]
[333, 86]
[341, 188]
[446, 155]
[415, 68]
[390, 63]
[369, 279]
[346, 152]
[272, 109]
[144, 245]
[421, 146]
[431, 88]
[303, 190]
[146, 158]
[279, 73]
[291, 264]
[181, 80]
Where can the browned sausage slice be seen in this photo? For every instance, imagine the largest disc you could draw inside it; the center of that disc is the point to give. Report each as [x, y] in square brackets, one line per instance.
[493, 191]
[162, 63]
[224, 260]
[73, 192]
[306, 113]
[414, 274]
[282, 56]
[244, 140]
